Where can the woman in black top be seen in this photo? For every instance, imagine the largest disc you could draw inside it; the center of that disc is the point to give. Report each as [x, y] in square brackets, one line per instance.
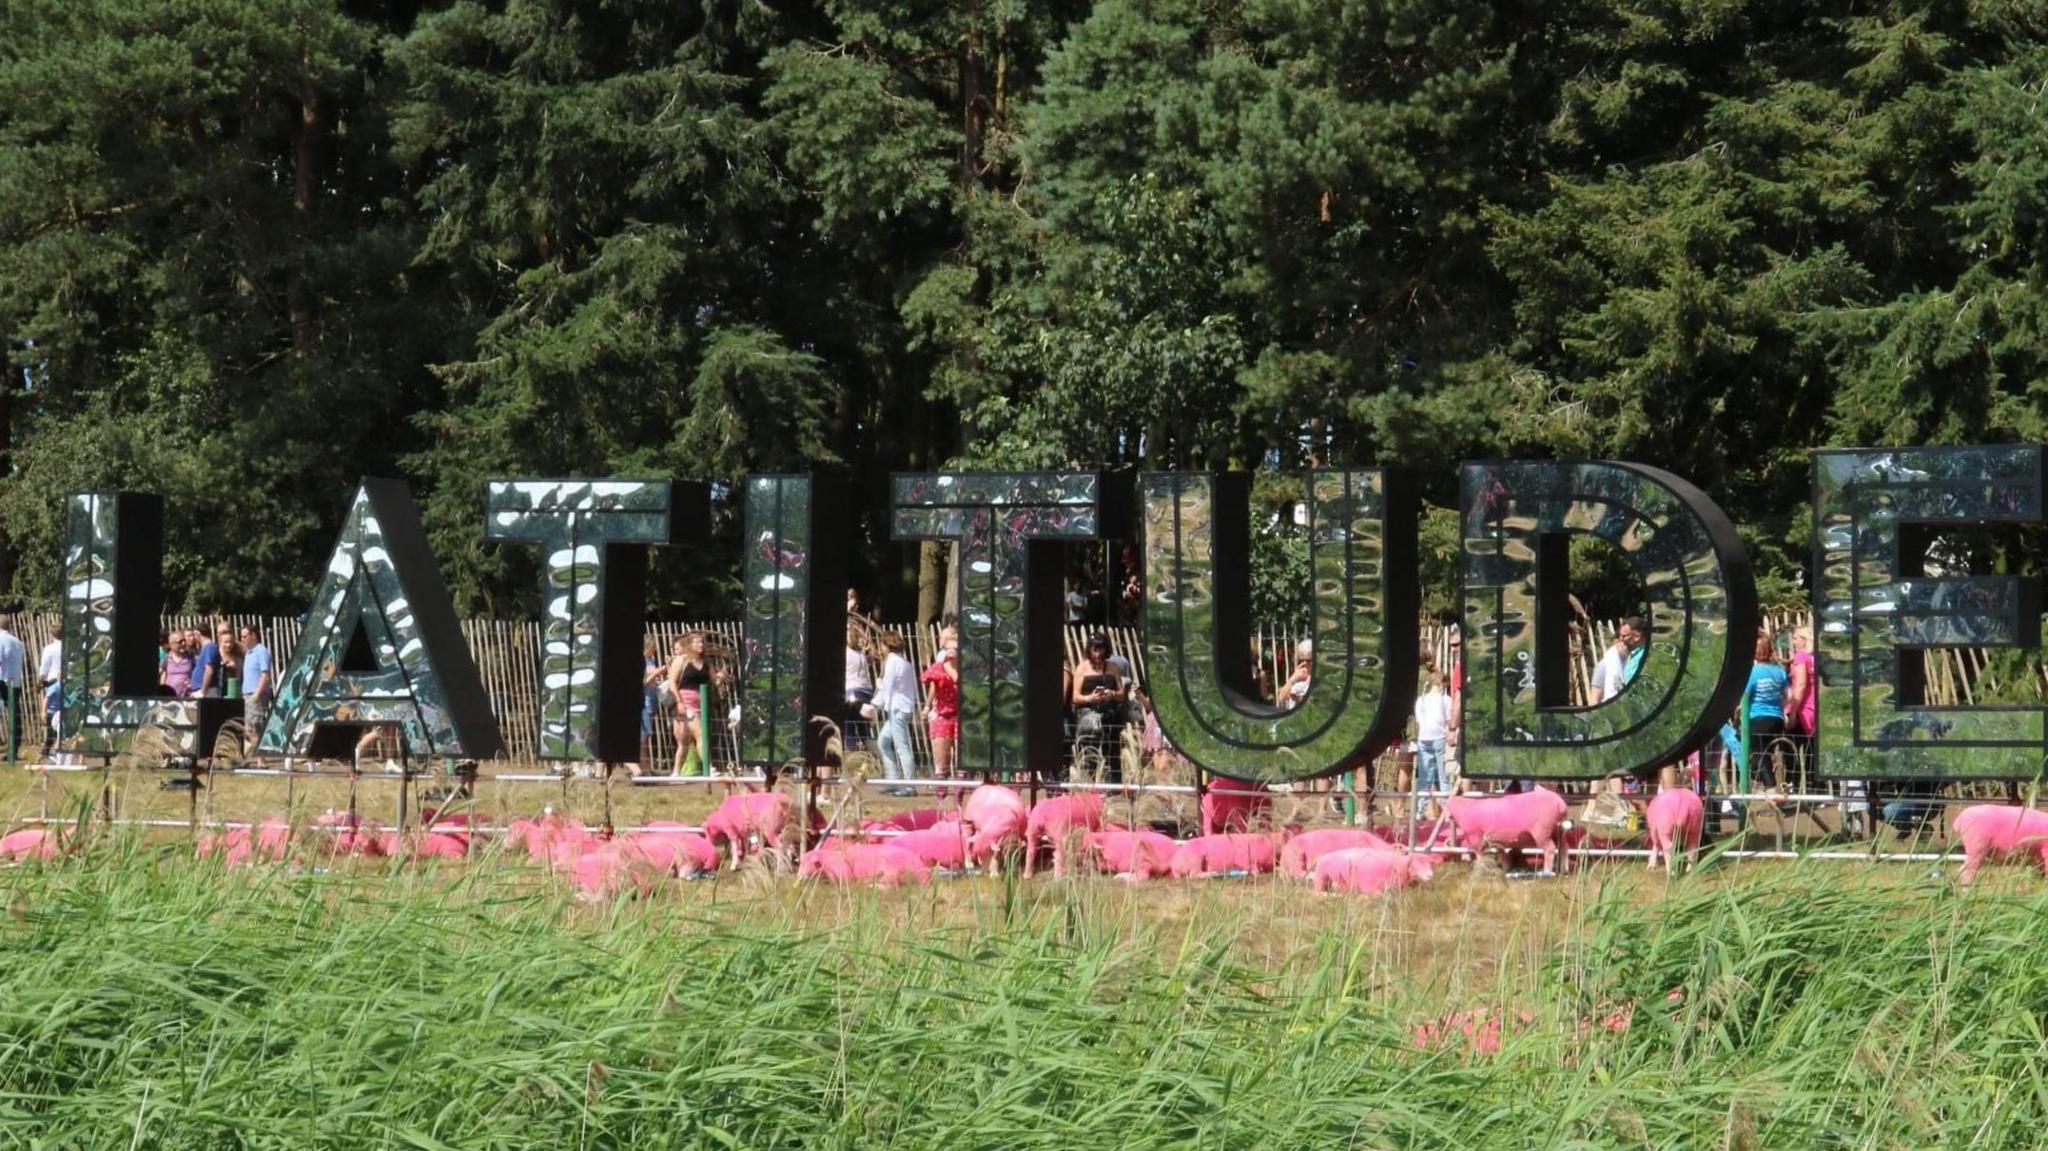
[1098, 702]
[687, 674]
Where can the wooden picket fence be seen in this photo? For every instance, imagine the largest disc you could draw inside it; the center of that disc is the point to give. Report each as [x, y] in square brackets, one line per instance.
[507, 654]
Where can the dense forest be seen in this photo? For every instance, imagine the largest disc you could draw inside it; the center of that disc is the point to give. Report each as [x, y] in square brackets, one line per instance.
[253, 249]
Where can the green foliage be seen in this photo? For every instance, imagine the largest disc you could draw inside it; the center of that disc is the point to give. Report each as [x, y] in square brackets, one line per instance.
[252, 249]
[149, 1001]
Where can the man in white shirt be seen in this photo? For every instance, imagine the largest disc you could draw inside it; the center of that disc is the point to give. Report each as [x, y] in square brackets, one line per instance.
[1617, 666]
[1432, 726]
[50, 667]
[1607, 673]
[894, 703]
[13, 677]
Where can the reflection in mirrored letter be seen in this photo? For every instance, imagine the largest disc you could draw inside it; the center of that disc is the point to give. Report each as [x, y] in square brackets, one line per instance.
[1702, 618]
[1008, 654]
[795, 584]
[113, 600]
[1364, 598]
[593, 536]
[1875, 611]
[381, 644]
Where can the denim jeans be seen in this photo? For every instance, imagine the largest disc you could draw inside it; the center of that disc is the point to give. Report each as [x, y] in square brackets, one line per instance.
[1429, 769]
[895, 747]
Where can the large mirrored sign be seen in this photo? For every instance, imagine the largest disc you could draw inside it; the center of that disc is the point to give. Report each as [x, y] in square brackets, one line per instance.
[381, 644]
[1877, 611]
[1361, 531]
[1702, 615]
[794, 572]
[1008, 581]
[113, 606]
[594, 536]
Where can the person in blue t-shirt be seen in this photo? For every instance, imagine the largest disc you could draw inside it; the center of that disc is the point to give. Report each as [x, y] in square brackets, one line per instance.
[1765, 701]
[207, 671]
[257, 684]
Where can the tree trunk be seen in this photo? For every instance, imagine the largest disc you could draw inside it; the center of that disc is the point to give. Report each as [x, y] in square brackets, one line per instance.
[934, 590]
[971, 120]
[10, 384]
[308, 147]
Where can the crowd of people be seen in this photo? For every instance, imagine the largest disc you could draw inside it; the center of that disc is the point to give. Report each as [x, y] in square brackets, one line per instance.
[233, 664]
[881, 709]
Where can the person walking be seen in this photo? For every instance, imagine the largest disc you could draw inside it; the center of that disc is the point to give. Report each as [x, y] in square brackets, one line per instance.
[50, 666]
[13, 678]
[651, 677]
[258, 685]
[1432, 729]
[894, 703]
[688, 672]
[1802, 694]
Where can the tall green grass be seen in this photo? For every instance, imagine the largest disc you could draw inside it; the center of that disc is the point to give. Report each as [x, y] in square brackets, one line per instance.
[148, 1001]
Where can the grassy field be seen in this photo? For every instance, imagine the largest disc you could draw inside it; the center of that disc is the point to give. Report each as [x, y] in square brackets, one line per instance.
[150, 1001]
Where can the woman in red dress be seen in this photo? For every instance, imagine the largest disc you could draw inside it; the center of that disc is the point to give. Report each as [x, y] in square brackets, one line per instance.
[943, 678]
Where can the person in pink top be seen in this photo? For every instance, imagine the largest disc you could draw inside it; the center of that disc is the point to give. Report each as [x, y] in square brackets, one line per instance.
[942, 679]
[179, 659]
[1802, 692]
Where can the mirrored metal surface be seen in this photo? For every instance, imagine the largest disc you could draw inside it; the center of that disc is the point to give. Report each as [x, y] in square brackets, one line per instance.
[794, 607]
[994, 517]
[589, 710]
[381, 644]
[1198, 639]
[1873, 614]
[113, 599]
[1702, 617]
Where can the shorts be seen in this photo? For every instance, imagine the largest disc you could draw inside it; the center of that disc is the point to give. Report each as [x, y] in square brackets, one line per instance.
[690, 702]
[943, 727]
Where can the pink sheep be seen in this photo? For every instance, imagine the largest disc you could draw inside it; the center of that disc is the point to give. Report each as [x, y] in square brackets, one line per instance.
[370, 844]
[34, 843]
[1675, 821]
[350, 837]
[942, 846]
[443, 836]
[1526, 820]
[677, 849]
[439, 844]
[268, 842]
[570, 844]
[1057, 820]
[1234, 805]
[740, 818]
[538, 836]
[1217, 854]
[613, 870]
[915, 819]
[883, 864]
[1370, 870]
[1989, 830]
[1137, 854]
[1298, 855]
[994, 818]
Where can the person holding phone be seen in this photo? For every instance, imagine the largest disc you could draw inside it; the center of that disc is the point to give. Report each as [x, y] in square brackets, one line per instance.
[1098, 702]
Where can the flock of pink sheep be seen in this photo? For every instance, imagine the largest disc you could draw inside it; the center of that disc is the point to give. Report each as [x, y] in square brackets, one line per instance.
[995, 827]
